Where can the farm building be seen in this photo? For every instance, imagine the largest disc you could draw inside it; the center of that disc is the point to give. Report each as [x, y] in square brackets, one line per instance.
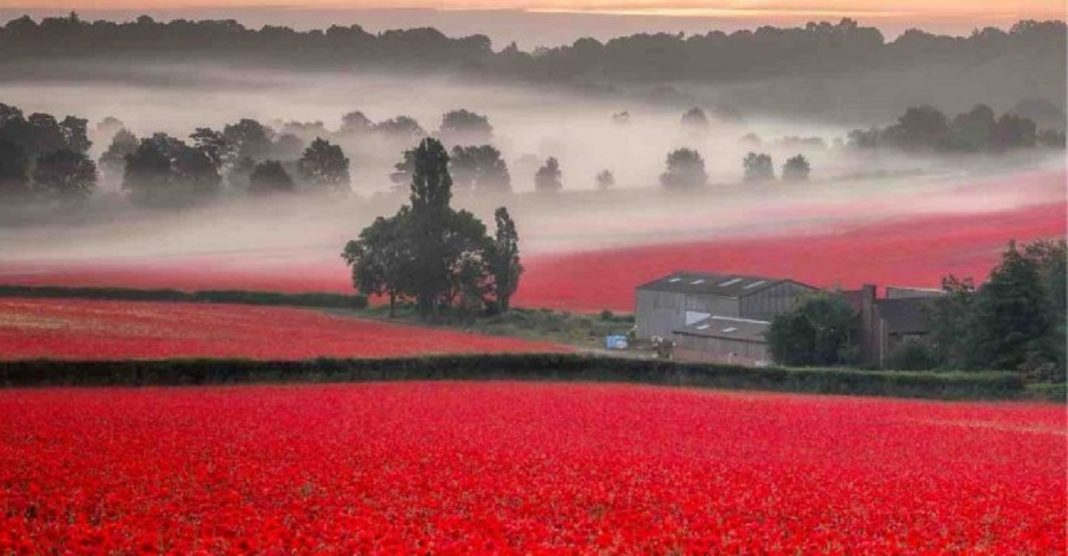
[724, 340]
[681, 299]
[886, 322]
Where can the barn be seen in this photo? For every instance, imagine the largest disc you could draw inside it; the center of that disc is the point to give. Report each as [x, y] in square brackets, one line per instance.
[681, 299]
[724, 340]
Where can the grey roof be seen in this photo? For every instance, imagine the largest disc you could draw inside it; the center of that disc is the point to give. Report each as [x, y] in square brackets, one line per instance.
[743, 330]
[704, 283]
[905, 315]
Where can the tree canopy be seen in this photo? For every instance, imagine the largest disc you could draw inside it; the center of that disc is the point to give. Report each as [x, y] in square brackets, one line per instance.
[685, 170]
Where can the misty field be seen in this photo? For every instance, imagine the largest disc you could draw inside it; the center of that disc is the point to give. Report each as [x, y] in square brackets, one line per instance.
[92, 329]
[523, 468]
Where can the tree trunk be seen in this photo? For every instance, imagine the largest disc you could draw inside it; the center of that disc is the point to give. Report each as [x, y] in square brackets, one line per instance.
[392, 304]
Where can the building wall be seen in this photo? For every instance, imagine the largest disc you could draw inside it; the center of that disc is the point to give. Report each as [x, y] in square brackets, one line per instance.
[720, 350]
[766, 304]
[661, 313]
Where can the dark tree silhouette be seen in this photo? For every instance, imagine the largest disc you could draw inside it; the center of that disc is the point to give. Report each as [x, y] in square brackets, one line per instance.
[972, 131]
[65, 174]
[758, 168]
[1013, 132]
[164, 171]
[548, 177]
[480, 167]
[504, 261]
[685, 170]
[381, 258]
[14, 167]
[270, 177]
[324, 166]
[249, 138]
[463, 126]
[796, 169]
[356, 123]
[400, 129]
[820, 330]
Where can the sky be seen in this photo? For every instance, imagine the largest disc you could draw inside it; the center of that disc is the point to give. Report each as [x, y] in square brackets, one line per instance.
[552, 22]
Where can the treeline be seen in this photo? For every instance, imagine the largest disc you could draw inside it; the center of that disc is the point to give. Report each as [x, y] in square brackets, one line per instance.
[239, 297]
[979, 130]
[817, 48]
[1013, 321]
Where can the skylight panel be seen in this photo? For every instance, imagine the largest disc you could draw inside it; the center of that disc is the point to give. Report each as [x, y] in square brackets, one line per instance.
[729, 330]
[698, 281]
[755, 284]
[730, 282]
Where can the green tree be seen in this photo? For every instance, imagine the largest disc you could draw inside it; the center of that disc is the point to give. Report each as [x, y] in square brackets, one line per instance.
[324, 166]
[381, 258]
[480, 167]
[685, 170]
[504, 260]
[820, 330]
[270, 177]
[431, 192]
[1012, 314]
[950, 322]
[164, 171]
[65, 174]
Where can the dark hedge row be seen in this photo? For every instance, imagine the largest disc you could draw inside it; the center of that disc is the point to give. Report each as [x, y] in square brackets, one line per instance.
[333, 300]
[553, 367]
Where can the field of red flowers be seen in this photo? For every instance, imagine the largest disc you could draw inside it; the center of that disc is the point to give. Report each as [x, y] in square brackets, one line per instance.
[523, 468]
[90, 329]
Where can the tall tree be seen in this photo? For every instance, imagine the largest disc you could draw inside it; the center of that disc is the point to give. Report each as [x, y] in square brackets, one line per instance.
[113, 161]
[1011, 313]
[324, 166]
[65, 174]
[431, 192]
[504, 259]
[685, 170]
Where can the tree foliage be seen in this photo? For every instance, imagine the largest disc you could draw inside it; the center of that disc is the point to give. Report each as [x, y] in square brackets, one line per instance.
[324, 166]
[480, 167]
[270, 176]
[820, 330]
[758, 168]
[605, 180]
[548, 178]
[796, 169]
[65, 174]
[685, 170]
[165, 171]
[433, 254]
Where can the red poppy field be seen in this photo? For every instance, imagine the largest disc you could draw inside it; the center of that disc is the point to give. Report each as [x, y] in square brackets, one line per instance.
[523, 468]
[91, 329]
[913, 251]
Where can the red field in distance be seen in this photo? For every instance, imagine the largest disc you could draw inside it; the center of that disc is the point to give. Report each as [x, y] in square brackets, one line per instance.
[914, 251]
[523, 468]
[83, 329]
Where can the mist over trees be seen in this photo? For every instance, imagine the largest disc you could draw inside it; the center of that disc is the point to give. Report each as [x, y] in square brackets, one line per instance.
[980, 130]
[685, 170]
[758, 168]
[548, 178]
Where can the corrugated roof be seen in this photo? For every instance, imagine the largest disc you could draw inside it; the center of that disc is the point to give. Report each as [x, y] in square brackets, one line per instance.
[905, 315]
[703, 283]
[745, 330]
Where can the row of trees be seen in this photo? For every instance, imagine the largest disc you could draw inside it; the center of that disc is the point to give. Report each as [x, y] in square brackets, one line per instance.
[441, 258]
[43, 156]
[766, 52]
[979, 130]
[686, 169]
[1015, 321]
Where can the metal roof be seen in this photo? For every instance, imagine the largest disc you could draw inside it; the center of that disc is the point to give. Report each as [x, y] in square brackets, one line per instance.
[723, 285]
[743, 330]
